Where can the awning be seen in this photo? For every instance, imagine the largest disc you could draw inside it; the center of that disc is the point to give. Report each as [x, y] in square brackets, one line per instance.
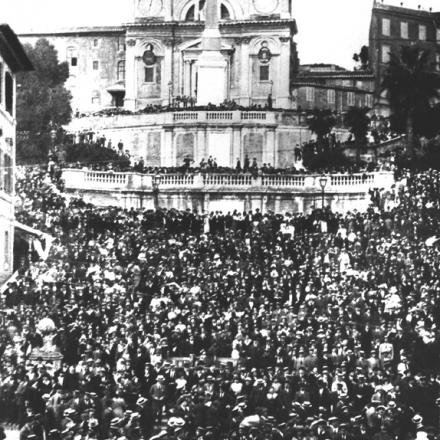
[116, 88]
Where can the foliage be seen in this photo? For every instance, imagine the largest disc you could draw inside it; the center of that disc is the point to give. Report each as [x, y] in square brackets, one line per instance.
[326, 160]
[362, 58]
[94, 154]
[321, 123]
[411, 84]
[43, 103]
[358, 121]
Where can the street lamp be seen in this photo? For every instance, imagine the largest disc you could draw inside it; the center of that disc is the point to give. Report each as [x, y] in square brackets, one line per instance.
[157, 178]
[322, 183]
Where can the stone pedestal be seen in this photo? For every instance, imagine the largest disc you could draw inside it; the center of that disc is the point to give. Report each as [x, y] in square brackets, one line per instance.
[212, 68]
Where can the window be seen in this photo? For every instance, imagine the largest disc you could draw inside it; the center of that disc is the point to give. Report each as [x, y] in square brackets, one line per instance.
[9, 93]
[96, 98]
[404, 29]
[7, 174]
[422, 32]
[386, 27]
[121, 44]
[438, 34]
[72, 56]
[149, 74]
[386, 54]
[310, 94]
[95, 42]
[350, 99]
[120, 74]
[437, 61]
[95, 65]
[264, 73]
[7, 253]
[369, 101]
[331, 96]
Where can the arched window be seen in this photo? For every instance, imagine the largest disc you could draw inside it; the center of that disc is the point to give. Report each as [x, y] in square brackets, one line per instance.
[196, 12]
[9, 93]
[120, 74]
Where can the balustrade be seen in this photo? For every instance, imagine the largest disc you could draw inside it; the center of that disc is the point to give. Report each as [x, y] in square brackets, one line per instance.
[352, 183]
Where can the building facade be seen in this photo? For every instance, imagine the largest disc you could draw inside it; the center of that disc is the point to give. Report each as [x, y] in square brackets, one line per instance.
[12, 60]
[332, 87]
[153, 59]
[393, 27]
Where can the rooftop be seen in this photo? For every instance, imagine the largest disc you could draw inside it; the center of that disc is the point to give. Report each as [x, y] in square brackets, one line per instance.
[12, 51]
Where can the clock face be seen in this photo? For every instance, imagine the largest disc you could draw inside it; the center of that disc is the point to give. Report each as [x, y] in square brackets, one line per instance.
[265, 6]
[150, 8]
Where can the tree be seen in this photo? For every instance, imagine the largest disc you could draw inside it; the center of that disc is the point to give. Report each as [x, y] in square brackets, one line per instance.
[411, 84]
[362, 58]
[321, 123]
[43, 103]
[358, 121]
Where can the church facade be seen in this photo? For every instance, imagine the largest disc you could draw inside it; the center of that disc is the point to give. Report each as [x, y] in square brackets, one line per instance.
[153, 59]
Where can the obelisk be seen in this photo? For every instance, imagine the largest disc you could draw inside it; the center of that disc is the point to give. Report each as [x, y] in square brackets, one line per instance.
[211, 84]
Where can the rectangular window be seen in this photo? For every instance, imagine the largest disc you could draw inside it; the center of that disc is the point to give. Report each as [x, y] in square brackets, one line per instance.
[422, 32]
[404, 30]
[386, 27]
[369, 101]
[386, 54]
[438, 34]
[437, 61]
[331, 96]
[149, 74]
[7, 253]
[7, 175]
[350, 99]
[310, 94]
[95, 42]
[264, 73]
[120, 74]
[9, 93]
[121, 43]
[74, 61]
[95, 65]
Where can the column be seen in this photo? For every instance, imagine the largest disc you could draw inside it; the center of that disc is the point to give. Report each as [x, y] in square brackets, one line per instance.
[237, 152]
[130, 75]
[269, 148]
[202, 144]
[285, 9]
[186, 77]
[166, 150]
[244, 74]
[166, 72]
[283, 89]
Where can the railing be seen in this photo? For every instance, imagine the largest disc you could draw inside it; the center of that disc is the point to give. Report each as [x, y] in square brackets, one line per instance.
[219, 116]
[227, 180]
[76, 179]
[186, 116]
[109, 177]
[261, 116]
[283, 181]
[177, 180]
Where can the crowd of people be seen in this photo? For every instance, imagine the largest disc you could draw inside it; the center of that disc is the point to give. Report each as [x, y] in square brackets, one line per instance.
[186, 325]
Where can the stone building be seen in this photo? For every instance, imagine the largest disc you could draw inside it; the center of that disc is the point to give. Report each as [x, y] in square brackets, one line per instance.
[393, 27]
[12, 60]
[153, 59]
[333, 87]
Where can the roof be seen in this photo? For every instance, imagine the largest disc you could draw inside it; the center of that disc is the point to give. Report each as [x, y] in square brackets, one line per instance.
[401, 10]
[337, 74]
[12, 50]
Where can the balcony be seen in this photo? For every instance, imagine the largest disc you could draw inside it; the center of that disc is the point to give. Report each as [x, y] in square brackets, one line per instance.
[108, 181]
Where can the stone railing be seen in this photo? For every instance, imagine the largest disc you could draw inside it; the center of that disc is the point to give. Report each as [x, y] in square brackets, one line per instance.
[85, 180]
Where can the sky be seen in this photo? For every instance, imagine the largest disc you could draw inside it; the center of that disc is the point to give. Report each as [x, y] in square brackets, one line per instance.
[329, 31]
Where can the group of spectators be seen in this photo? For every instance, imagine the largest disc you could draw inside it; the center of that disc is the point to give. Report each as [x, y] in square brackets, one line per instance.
[186, 325]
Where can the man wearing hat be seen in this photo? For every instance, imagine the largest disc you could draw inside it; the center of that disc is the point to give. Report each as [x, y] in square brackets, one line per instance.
[157, 394]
